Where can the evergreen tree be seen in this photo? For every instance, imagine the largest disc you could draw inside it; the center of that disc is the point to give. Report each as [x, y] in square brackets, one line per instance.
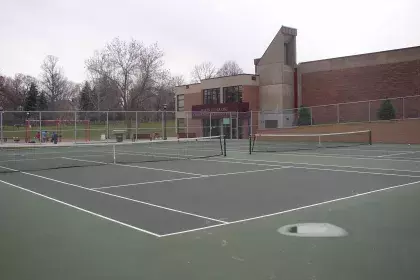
[304, 116]
[42, 102]
[85, 100]
[386, 111]
[31, 98]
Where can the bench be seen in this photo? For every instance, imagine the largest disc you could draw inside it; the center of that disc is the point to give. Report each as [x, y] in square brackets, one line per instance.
[156, 135]
[140, 136]
[187, 135]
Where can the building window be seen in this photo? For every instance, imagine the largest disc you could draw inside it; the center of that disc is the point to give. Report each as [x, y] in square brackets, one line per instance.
[232, 94]
[180, 102]
[287, 54]
[211, 128]
[181, 126]
[271, 124]
[211, 96]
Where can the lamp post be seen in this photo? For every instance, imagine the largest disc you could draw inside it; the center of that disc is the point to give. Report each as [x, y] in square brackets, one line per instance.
[164, 121]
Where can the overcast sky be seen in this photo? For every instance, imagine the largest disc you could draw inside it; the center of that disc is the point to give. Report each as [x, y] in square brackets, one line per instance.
[193, 31]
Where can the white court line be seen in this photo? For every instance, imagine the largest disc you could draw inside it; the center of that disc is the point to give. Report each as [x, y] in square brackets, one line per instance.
[397, 154]
[197, 177]
[293, 209]
[335, 156]
[336, 170]
[81, 209]
[295, 165]
[149, 182]
[136, 166]
[114, 195]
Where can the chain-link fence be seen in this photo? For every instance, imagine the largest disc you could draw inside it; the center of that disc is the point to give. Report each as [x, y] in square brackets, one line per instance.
[97, 126]
[84, 126]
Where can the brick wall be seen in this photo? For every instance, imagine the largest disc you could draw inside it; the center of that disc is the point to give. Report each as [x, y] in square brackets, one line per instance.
[361, 83]
[194, 125]
[191, 99]
[398, 131]
[251, 94]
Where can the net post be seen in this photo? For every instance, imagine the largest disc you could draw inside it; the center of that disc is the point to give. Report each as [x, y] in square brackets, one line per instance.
[224, 145]
[319, 141]
[137, 127]
[369, 109]
[370, 137]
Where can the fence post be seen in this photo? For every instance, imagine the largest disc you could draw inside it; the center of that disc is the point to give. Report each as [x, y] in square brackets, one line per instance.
[186, 123]
[164, 122]
[137, 127]
[403, 105]
[369, 110]
[338, 113]
[75, 126]
[107, 126]
[230, 124]
[210, 124]
[1, 126]
[237, 125]
[40, 127]
[310, 115]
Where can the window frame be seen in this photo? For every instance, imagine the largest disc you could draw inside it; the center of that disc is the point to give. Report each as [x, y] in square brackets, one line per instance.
[233, 94]
[178, 107]
[211, 96]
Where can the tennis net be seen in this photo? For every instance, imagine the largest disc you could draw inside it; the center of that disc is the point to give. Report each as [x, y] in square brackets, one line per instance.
[16, 158]
[295, 142]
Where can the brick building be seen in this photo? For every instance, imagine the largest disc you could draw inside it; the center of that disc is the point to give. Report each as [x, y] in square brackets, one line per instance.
[280, 84]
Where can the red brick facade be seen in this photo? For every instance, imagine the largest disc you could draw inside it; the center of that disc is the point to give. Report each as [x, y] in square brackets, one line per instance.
[361, 83]
[399, 131]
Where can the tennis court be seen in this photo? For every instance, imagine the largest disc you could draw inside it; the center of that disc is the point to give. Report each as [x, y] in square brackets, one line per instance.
[208, 210]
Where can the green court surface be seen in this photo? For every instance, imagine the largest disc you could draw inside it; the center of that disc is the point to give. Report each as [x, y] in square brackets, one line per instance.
[217, 218]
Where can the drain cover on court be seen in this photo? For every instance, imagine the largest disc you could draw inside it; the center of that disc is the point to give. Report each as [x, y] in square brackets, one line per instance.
[312, 230]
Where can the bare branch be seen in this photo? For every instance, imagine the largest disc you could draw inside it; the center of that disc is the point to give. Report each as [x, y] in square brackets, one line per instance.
[229, 68]
[205, 70]
[55, 84]
[131, 68]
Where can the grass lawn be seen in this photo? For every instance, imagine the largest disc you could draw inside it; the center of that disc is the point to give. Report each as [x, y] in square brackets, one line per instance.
[95, 130]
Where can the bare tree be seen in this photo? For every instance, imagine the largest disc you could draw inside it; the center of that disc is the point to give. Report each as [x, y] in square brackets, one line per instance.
[131, 68]
[13, 90]
[55, 84]
[229, 68]
[205, 70]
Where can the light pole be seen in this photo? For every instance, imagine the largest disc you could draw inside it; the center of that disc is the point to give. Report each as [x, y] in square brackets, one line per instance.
[164, 121]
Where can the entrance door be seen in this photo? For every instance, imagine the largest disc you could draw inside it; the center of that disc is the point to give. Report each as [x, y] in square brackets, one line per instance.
[211, 128]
